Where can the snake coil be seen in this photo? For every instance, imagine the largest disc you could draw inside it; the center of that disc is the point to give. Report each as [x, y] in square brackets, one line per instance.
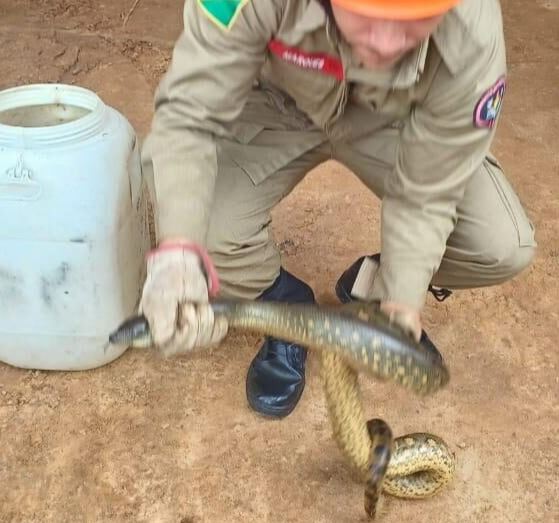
[351, 339]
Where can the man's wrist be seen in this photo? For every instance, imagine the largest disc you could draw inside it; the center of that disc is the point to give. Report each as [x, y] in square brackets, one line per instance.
[177, 243]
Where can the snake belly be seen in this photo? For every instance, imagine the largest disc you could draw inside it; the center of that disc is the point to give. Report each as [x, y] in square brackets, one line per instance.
[358, 333]
[351, 339]
[357, 338]
[420, 465]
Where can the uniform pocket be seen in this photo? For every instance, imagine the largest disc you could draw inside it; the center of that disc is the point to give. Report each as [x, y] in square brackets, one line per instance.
[268, 136]
[522, 224]
[269, 151]
[245, 132]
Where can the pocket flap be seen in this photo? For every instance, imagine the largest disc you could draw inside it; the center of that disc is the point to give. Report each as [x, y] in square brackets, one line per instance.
[269, 151]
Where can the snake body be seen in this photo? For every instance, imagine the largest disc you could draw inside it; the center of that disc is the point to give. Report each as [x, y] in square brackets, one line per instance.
[352, 339]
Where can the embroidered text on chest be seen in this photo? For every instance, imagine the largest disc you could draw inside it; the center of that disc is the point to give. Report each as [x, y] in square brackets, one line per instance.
[322, 62]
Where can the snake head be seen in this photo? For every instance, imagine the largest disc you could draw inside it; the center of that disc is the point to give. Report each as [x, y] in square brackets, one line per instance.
[134, 332]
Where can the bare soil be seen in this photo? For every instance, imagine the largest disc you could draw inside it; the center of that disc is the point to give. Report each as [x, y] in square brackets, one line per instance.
[151, 440]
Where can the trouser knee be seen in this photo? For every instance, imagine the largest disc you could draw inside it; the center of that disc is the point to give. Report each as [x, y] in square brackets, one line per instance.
[244, 271]
[513, 262]
[493, 268]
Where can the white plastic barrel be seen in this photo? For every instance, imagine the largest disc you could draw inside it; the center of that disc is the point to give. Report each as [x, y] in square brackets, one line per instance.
[73, 227]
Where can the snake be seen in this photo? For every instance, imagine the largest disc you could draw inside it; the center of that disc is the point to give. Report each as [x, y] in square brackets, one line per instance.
[351, 339]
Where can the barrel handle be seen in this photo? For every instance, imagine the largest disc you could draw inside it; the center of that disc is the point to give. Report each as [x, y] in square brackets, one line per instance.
[18, 183]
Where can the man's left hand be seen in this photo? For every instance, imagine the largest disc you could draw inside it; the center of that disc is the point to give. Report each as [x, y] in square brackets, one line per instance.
[405, 316]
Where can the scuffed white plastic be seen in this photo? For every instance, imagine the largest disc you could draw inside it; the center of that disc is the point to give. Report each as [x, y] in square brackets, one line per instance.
[73, 227]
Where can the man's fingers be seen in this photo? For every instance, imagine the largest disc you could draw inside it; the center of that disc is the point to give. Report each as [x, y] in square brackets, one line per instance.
[196, 327]
[187, 329]
[205, 324]
[221, 327]
[174, 276]
[162, 318]
[404, 316]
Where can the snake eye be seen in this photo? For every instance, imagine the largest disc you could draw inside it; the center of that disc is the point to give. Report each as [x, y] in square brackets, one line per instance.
[140, 329]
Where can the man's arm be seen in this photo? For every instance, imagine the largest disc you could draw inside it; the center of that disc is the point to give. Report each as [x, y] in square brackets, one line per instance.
[215, 62]
[443, 143]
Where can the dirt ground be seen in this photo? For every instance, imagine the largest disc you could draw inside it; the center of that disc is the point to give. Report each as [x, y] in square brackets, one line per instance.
[148, 440]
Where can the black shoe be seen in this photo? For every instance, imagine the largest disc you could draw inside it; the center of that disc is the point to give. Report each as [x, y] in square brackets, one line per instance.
[347, 279]
[276, 377]
[430, 346]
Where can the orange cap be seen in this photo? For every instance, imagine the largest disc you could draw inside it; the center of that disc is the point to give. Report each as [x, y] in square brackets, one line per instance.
[397, 9]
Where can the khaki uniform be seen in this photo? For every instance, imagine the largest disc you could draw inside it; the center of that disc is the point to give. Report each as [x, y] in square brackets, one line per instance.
[248, 107]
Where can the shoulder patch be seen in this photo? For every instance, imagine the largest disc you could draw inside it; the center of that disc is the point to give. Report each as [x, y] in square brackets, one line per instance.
[222, 12]
[489, 105]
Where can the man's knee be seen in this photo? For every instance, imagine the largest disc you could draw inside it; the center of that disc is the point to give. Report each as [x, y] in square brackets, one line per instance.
[505, 256]
[245, 269]
[486, 260]
[511, 262]
[513, 243]
[494, 239]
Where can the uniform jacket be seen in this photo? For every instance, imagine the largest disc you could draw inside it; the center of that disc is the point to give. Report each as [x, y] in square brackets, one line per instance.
[444, 98]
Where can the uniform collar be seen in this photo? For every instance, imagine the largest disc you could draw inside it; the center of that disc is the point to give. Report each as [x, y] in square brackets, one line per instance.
[402, 76]
[460, 36]
[310, 16]
[455, 39]
[314, 15]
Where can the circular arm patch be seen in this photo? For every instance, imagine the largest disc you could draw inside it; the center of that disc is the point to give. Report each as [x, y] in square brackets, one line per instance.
[489, 106]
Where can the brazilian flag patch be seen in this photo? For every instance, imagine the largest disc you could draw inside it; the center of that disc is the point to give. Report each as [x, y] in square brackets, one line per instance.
[222, 12]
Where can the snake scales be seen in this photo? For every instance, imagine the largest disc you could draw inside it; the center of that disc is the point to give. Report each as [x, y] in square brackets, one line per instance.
[351, 339]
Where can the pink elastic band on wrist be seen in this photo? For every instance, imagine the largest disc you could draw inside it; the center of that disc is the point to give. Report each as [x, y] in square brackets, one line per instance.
[209, 268]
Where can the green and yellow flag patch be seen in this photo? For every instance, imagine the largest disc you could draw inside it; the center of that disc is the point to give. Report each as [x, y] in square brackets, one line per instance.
[222, 12]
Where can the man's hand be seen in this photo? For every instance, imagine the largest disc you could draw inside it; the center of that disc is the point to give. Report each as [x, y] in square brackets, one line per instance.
[407, 317]
[175, 301]
[403, 315]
